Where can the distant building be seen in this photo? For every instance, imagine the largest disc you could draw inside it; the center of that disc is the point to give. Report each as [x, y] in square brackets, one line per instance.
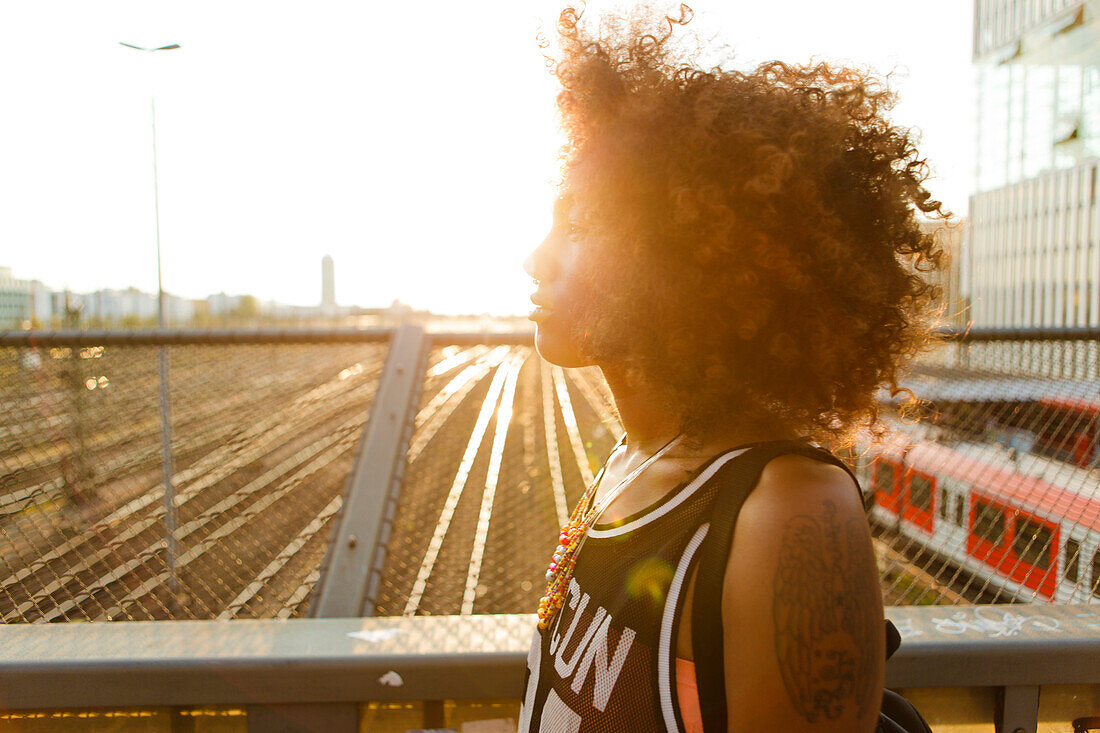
[399, 310]
[14, 300]
[282, 311]
[40, 303]
[114, 305]
[24, 302]
[178, 310]
[1032, 257]
[953, 301]
[221, 304]
[328, 286]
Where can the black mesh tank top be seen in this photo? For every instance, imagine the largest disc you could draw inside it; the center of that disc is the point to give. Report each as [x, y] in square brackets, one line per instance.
[607, 663]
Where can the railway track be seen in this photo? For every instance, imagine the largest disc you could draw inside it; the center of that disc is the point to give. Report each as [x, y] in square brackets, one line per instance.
[916, 576]
[116, 566]
[127, 447]
[255, 507]
[476, 511]
[229, 451]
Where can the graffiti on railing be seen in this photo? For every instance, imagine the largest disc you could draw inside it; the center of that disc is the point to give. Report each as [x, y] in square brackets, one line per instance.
[993, 623]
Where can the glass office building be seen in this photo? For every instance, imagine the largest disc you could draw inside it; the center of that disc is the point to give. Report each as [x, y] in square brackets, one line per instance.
[1033, 256]
[1038, 93]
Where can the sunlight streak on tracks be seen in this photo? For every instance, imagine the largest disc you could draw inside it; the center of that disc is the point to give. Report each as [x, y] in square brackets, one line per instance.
[134, 530]
[319, 460]
[260, 581]
[455, 493]
[222, 462]
[571, 428]
[496, 454]
[553, 457]
[439, 408]
[454, 357]
[299, 595]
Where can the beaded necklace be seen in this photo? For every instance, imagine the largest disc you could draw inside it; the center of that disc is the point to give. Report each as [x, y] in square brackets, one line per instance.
[573, 533]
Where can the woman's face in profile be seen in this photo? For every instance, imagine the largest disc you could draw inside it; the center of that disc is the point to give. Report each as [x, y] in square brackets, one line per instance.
[557, 265]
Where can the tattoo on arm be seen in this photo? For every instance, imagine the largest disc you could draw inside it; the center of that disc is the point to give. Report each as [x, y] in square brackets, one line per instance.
[826, 596]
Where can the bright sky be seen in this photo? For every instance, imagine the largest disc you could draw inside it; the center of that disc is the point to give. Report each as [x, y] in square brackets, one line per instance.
[414, 142]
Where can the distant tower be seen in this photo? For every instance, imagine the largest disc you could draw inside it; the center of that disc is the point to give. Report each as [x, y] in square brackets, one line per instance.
[328, 286]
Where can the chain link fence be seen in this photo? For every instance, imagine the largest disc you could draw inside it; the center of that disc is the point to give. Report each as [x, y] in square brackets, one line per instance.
[987, 492]
[262, 437]
[990, 490]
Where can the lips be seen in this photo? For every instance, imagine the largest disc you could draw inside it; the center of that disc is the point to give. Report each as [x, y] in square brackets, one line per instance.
[542, 309]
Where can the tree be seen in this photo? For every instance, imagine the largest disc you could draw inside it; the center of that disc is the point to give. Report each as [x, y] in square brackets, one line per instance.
[247, 308]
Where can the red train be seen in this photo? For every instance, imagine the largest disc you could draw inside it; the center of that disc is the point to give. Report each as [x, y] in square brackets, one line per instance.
[1028, 536]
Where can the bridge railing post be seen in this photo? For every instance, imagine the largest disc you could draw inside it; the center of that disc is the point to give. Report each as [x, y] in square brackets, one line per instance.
[353, 564]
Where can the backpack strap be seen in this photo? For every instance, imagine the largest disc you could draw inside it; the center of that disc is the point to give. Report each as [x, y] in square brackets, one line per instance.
[737, 479]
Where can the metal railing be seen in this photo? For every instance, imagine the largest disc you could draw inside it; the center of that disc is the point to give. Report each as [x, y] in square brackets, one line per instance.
[987, 667]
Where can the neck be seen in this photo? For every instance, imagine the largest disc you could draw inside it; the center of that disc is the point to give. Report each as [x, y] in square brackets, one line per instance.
[650, 423]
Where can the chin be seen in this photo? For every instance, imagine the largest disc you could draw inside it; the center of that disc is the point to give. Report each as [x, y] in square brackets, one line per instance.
[557, 348]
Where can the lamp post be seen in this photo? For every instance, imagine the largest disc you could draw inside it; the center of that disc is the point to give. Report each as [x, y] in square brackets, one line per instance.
[171, 546]
[156, 195]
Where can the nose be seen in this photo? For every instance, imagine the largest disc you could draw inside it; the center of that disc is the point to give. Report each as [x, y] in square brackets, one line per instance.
[540, 263]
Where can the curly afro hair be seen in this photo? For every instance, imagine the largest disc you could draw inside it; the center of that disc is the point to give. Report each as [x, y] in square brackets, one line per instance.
[763, 226]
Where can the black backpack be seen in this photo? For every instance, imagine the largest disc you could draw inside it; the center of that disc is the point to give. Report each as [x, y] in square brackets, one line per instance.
[897, 715]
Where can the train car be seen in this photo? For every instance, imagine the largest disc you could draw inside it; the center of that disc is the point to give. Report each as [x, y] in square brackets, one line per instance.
[1070, 431]
[1019, 533]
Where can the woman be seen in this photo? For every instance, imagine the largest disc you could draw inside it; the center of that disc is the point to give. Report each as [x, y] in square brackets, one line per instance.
[738, 253]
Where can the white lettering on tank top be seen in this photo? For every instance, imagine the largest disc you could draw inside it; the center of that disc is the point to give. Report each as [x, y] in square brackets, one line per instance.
[595, 658]
[571, 600]
[532, 682]
[557, 717]
[594, 655]
[565, 666]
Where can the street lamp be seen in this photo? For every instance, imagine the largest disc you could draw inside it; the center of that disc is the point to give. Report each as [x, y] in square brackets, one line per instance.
[156, 195]
[171, 546]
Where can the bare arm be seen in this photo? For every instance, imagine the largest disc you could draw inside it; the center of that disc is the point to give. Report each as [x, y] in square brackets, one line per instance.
[801, 607]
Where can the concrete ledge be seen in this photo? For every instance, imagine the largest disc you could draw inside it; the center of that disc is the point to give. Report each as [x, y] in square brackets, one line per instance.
[123, 664]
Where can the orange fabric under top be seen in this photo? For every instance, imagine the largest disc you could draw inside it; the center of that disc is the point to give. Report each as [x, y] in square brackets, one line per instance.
[687, 696]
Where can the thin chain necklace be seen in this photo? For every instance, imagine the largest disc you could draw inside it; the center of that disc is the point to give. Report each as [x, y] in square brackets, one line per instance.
[573, 533]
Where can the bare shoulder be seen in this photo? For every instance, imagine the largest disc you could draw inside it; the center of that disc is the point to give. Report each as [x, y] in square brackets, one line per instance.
[802, 607]
[793, 479]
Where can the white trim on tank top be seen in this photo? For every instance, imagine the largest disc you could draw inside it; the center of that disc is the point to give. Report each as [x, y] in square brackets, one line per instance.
[683, 495]
[665, 652]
